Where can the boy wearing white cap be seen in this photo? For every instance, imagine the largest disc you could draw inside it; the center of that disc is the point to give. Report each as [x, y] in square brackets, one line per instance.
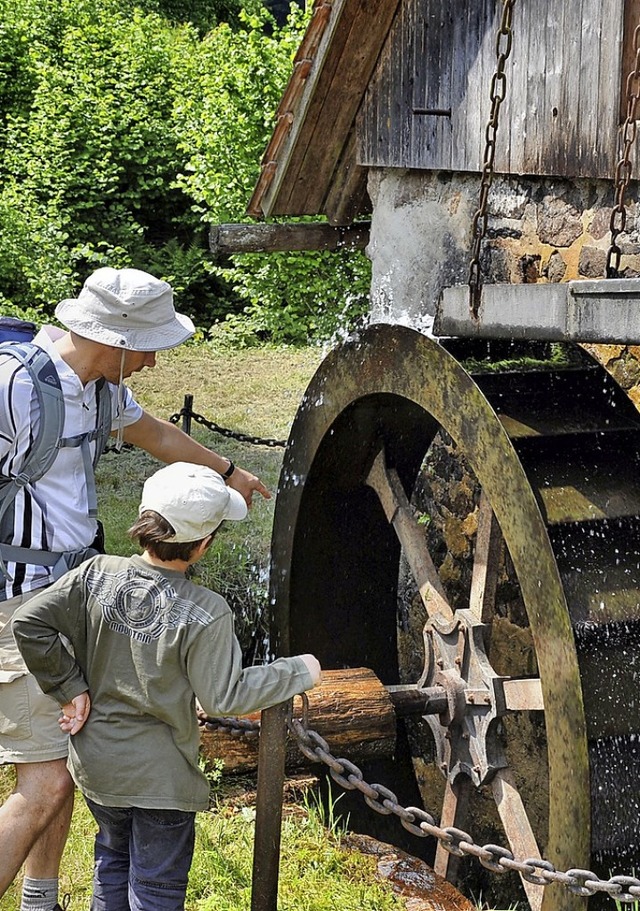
[115, 326]
[147, 642]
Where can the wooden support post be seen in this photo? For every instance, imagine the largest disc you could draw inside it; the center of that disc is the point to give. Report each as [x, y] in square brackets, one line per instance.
[275, 238]
[266, 845]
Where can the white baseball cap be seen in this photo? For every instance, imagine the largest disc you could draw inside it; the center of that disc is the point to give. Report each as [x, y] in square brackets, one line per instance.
[127, 309]
[193, 499]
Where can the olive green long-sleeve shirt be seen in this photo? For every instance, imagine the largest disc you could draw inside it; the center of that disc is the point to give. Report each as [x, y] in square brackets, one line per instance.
[146, 643]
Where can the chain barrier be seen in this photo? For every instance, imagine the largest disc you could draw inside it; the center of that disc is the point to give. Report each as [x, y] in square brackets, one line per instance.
[187, 413]
[504, 40]
[216, 428]
[237, 727]
[422, 824]
[623, 168]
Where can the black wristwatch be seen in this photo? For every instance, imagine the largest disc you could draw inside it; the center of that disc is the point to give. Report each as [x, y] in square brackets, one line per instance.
[227, 474]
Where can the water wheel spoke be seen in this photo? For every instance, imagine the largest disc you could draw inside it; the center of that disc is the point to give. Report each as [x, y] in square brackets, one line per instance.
[517, 827]
[399, 513]
[455, 812]
[485, 562]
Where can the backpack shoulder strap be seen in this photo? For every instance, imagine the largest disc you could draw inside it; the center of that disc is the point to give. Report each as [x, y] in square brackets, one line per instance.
[39, 459]
[46, 445]
[46, 384]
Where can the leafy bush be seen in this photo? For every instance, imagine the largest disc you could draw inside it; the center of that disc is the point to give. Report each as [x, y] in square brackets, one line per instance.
[225, 125]
[296, 298]
[126, 135]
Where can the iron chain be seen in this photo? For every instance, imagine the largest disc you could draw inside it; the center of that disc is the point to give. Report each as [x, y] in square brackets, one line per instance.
[623, 168]
[420, 823]
[504, 41]
[455, 841]
[237, 727]
[216, 428]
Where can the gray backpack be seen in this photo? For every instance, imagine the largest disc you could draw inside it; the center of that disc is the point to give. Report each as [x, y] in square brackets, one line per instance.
[47, 443]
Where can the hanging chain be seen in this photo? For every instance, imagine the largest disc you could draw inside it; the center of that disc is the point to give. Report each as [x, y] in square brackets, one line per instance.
[504, 40]
[623, 168]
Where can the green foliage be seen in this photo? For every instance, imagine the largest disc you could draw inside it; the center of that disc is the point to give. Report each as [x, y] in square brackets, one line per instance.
[89, 164]
[297, 297]
[225, 124]
[202, 14]
[126, 132]
[212, 769]
[224, 114]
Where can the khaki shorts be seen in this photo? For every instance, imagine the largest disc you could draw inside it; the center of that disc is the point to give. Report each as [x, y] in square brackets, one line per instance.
[29, 730]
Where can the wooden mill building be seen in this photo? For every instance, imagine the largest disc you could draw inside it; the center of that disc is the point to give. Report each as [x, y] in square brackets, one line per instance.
[385, 117]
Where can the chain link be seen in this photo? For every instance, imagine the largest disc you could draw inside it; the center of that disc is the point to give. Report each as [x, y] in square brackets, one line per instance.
[237, 727]
[623, 168]
[421, 824]
[504, 41]
[216, 428]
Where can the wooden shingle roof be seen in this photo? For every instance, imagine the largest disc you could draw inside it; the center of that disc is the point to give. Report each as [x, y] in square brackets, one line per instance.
[309, 166]
[406, 84]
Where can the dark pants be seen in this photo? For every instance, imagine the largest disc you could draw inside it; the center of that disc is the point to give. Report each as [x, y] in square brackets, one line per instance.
[142, 858]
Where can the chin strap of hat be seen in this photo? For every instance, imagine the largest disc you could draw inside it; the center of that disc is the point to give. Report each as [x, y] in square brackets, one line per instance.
[120, 415]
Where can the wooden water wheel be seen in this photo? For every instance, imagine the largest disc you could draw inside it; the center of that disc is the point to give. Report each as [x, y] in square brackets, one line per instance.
[529, 622]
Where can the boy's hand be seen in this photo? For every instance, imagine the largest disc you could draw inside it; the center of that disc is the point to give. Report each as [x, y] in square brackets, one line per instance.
[75, 713]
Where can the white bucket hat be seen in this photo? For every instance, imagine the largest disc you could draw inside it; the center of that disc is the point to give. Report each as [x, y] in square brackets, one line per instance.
[194, 499]
[127, 309]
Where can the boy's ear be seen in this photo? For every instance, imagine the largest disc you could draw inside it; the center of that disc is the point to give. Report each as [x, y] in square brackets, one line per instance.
[206, 543]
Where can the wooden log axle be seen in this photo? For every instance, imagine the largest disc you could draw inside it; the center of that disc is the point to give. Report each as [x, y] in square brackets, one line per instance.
[351, 709]
[278, 238]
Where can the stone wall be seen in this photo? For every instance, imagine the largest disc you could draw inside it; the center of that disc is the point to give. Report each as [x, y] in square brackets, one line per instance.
[542, 230]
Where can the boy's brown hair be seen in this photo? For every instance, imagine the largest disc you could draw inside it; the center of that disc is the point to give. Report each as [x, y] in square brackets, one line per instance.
[151, 531]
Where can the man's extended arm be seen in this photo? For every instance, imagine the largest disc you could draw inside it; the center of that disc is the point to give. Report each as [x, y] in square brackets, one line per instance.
[167, 442]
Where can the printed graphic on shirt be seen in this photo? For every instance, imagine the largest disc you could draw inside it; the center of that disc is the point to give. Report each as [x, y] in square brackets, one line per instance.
[142, 606]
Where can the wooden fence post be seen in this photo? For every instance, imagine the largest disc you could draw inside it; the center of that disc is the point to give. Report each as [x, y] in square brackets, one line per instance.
[271, 773]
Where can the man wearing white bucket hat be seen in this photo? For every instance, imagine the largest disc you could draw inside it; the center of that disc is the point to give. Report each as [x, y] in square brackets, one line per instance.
[114, 328]
[147, 642]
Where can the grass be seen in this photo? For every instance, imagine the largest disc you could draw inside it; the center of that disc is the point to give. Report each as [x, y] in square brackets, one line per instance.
[316, 872]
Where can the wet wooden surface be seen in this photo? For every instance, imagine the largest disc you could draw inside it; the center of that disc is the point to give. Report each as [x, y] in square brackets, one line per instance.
[418, 886]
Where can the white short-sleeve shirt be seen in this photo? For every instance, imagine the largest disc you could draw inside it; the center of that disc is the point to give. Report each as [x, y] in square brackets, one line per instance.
[52, 514]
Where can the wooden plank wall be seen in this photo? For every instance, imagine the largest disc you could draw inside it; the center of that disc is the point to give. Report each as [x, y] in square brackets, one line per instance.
[561, 112]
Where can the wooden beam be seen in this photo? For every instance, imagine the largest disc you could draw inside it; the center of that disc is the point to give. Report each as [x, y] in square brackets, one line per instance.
[604, 311]
[347, 197]
[350, 708]
[276, 238]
